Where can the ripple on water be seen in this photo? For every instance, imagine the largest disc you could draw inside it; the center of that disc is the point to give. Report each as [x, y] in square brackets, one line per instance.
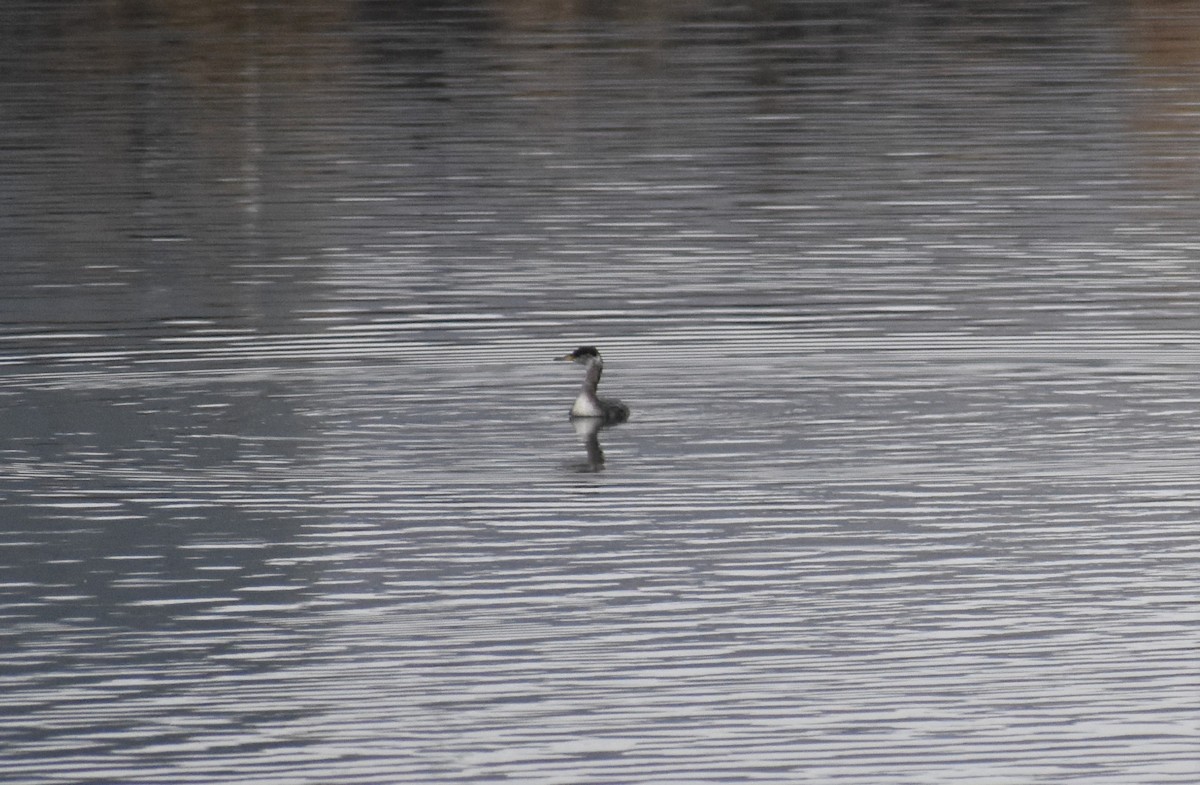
[910, 487]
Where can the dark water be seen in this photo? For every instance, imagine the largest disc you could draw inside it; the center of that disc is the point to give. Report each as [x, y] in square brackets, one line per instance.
[905, 299]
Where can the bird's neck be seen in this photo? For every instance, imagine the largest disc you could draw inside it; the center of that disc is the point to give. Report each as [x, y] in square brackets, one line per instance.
[591, 379]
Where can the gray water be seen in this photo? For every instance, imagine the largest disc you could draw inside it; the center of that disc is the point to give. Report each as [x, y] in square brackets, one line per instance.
[905, 301]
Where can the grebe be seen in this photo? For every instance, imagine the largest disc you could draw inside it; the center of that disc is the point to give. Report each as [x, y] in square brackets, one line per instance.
[588, 404]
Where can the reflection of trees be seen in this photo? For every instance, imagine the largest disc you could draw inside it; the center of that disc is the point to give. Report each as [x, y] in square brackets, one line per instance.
[179, 121]
[212, 43]
[539, 13]
[1165, 46]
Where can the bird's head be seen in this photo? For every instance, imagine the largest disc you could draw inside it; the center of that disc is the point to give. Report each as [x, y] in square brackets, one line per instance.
[584, 355]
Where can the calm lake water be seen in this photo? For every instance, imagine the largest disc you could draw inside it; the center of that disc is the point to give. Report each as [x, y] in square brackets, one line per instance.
[905, 301]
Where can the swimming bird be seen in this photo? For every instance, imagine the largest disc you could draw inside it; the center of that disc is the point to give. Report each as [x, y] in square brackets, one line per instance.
[589, 404]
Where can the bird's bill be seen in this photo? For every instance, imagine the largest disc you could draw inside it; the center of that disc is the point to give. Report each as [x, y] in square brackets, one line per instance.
[565, 357]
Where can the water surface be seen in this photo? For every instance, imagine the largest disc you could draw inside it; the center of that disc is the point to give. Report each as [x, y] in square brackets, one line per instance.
[905, 303]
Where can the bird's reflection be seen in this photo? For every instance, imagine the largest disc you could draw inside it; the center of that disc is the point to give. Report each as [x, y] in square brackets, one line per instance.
[588, 430]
